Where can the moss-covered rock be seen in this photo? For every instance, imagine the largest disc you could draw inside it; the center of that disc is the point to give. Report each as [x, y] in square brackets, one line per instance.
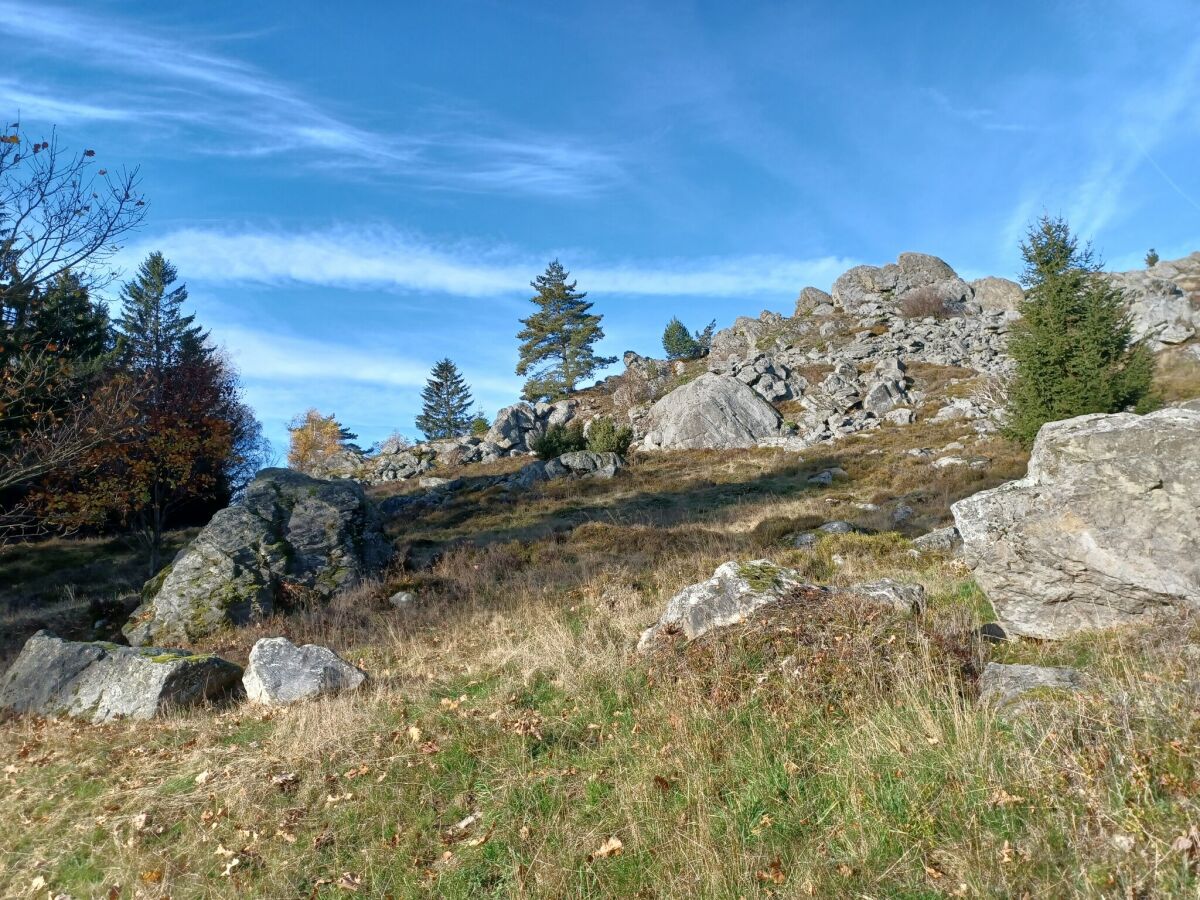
[289, 531]
[100, 681]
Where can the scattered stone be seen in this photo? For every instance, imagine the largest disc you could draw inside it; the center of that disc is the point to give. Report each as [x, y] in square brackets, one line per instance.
[100, 681]
[1103, 531]
[288, 532]
[733, 593]
[590, 464]
[1003, 685]
[837, 527]
[900, 596]
[279, 672]
[940, 540]
[433, 482]
[821, 479]
[402, 599]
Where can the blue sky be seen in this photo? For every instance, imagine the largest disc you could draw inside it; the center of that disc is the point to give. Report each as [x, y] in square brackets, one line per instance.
[352, 191]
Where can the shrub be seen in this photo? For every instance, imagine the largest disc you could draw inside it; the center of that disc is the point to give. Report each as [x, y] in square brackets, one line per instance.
[479, 426]
[925, 302]
[1151, 258]
[606, 437]
[560, 439]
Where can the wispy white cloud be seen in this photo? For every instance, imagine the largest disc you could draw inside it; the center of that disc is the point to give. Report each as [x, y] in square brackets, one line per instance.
[1145, 117]
[17, 101]
[981, 117]
[229, 107]
[383, 258]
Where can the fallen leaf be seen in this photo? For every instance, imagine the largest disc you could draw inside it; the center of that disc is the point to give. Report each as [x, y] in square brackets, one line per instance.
[140, 821]
[611, 847]
[152, 876]
[285, 781]
[773, 873]
[204, 777]
[350, 882]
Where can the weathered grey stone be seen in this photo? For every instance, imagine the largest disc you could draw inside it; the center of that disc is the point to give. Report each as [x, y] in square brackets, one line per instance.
[714, 411]
[900, 416]
[590, 464]
[402, 599]
[900, 596]
[1164, 301]
[734, 592]
[1103, 530]
[279, 672]
[288, 531]
[810, 298]
[1003, 685]
[994, 294]
[940, 540]
[101, 681]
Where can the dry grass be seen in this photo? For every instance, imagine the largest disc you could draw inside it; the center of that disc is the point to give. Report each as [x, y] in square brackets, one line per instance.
[1178, 375]
[826, 749]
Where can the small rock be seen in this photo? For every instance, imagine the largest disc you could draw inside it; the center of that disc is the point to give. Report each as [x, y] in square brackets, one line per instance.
[1002, 684]
[940, 540]
[821, 479]
[837, 527]
[430, 481]
[898, 595]
[734, 592]
[402, 599]
[279, 672]
[804, 541]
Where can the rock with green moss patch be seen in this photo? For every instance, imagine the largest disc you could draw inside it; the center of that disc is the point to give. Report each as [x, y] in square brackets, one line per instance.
[734, 592]
[290, 533]
[100, 681]
[1007, 687]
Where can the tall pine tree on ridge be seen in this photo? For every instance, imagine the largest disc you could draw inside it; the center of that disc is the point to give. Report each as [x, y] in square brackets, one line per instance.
[557, 340]
[446, 403]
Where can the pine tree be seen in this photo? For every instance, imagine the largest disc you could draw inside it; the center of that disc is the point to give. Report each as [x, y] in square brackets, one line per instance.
[678, 342]
[154, 332]
[1151, 258]
[1073, 345]
[446, 403]
[557, 341]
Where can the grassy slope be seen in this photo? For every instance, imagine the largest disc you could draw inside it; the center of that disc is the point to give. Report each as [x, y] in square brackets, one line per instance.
[509, 731]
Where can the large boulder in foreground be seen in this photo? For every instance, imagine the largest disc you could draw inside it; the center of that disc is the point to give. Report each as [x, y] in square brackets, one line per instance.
[711, 412]
[98, 681]
[279, 672]
[1104, 530]
[289, 534]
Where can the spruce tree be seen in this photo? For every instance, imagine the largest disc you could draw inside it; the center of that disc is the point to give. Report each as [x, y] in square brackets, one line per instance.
[557, 341]
[1073, 345]
[154, 333]
[678, 342]
[446, 403]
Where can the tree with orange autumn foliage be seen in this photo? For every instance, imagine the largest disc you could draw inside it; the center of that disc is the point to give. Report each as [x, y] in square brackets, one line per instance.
[317, 442]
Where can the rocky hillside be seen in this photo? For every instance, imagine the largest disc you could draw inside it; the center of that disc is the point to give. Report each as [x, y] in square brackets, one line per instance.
[885, 345]
[823, 632]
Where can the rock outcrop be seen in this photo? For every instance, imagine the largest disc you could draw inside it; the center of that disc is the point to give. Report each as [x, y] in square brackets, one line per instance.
[1164, 300]
[279, 672]
[1103, 530]
[871, 289]
[517, 427]
[289, 533]
[100, 681]
[713, 411]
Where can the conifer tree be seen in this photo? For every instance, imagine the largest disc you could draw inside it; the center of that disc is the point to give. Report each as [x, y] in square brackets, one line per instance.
[446, 403]
[154, 333]
[678, 342]
[557, 341]
[1073, 345]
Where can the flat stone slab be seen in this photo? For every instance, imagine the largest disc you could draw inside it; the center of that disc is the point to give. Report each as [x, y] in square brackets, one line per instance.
[1003, 685]
[98, 681]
